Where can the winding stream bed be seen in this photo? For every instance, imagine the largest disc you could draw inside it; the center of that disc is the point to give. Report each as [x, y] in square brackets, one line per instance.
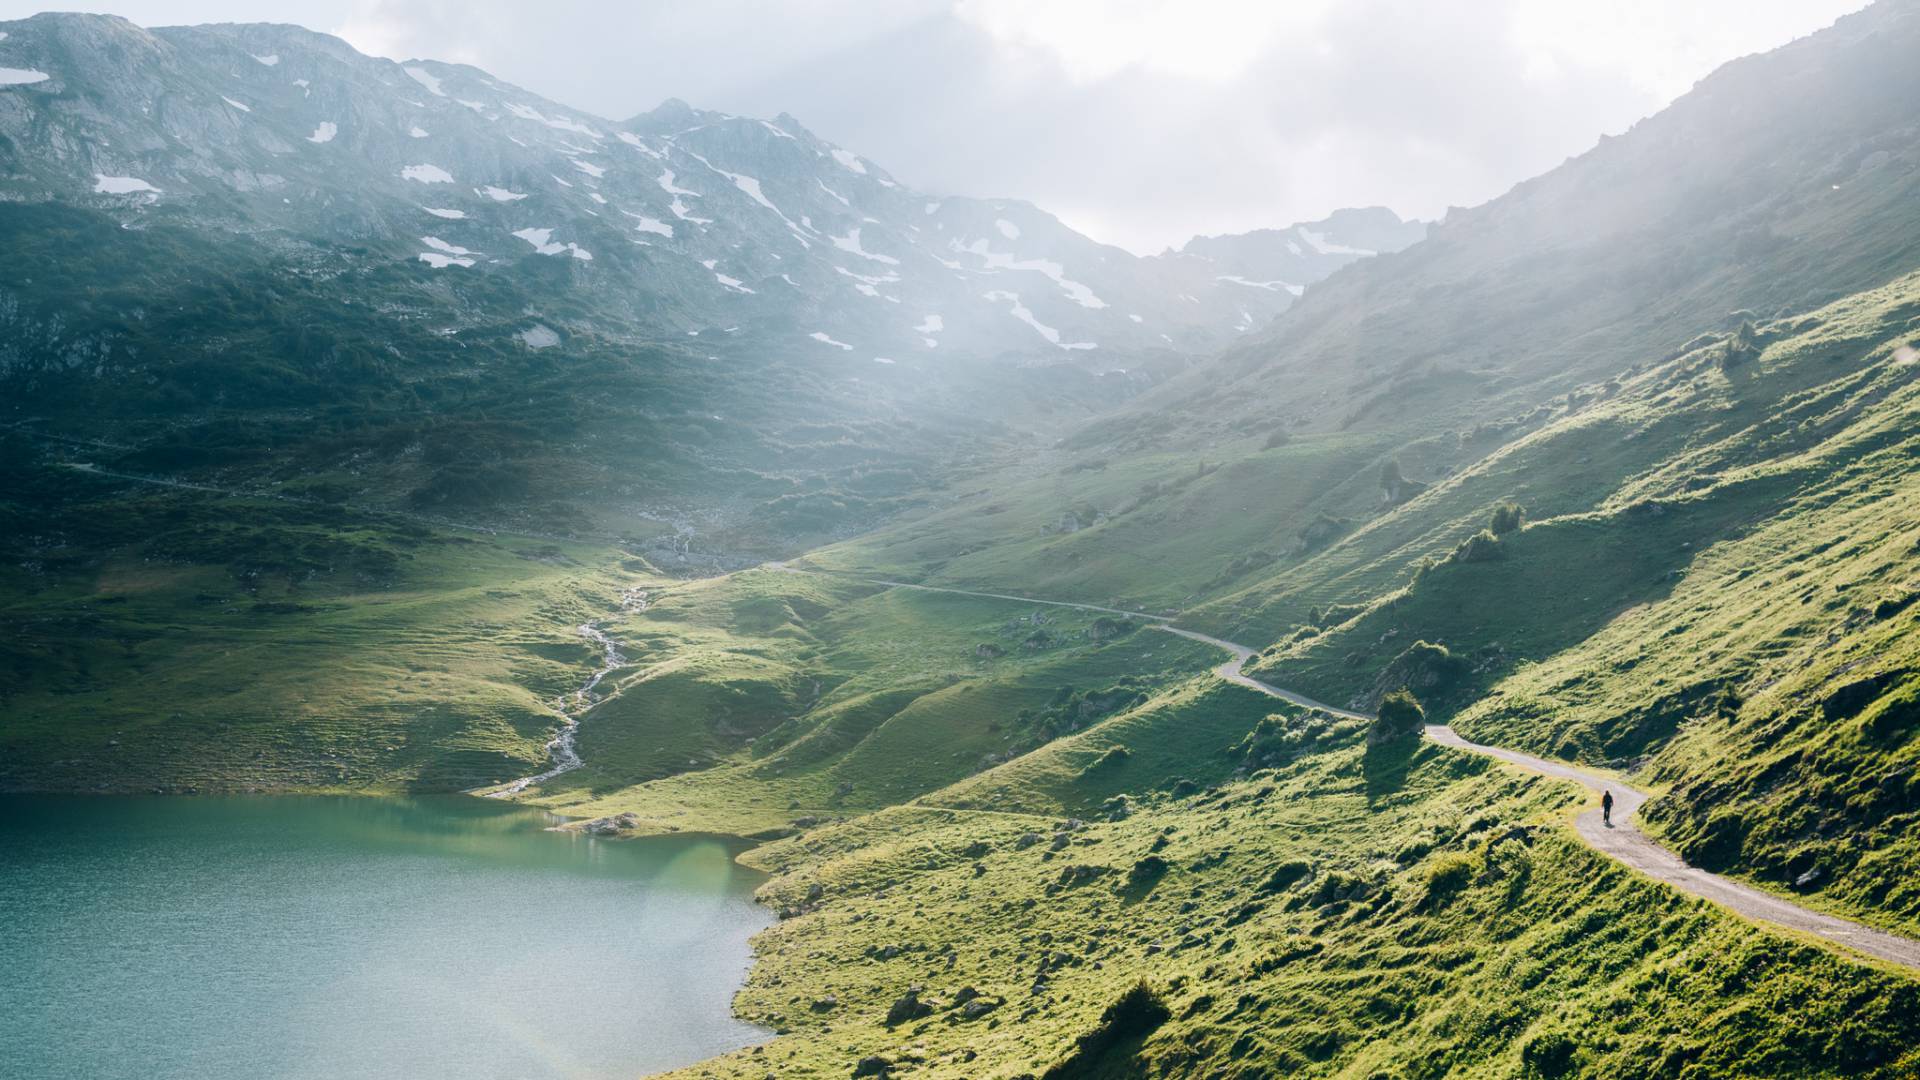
[562, 751]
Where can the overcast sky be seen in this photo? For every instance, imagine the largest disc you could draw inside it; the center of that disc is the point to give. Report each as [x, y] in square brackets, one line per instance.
[1140, 122]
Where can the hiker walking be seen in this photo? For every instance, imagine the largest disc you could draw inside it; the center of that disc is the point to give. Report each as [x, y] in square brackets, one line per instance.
[1606, 807]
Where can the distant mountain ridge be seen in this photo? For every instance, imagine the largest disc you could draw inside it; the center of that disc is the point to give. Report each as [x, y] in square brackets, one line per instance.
[691, 221]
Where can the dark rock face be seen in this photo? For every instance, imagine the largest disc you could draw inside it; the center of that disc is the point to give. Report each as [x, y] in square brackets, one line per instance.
[908, 1007]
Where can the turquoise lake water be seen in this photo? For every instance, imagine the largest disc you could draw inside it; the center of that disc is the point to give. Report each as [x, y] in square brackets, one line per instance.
[296, 937]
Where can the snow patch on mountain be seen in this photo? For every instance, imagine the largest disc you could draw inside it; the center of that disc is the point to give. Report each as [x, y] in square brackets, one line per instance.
[543, 244]
[451, 215]
[417, 132]
[1024, 314]
[650, 224]
[1270, 286]
[751, 188]
[539, 336]
[849, 160]
[850, 244]
[269, 60]
[122, 185]
[667, 185]
[236, 104]
[427, 79]
[324, 132]
[993, 260]
[869, 286]
[499, 194]
[441, 262]
[21, 76]
[426, 174]
[438, 244]
[634, 141]
[1318, 241]
[821, 337]
[1007, 228]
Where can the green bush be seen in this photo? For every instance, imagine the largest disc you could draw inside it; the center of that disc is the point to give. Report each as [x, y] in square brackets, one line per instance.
[1286, 874]
[1138, 1013]
[1445, 879]
[1400, 716]
[1507, 517]
[1146, 871]
[1894, 715]
[1549, 1054]
[1482, 546]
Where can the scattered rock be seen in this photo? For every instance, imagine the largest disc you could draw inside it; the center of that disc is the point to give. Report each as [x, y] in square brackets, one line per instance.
[908, 1007]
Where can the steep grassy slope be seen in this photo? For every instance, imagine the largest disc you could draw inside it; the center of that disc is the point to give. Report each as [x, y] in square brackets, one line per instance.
[1781, 184]
[1736, 613]
[1399, 911]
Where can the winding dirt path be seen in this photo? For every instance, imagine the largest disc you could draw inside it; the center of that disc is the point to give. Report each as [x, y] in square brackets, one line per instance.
[1621, 840]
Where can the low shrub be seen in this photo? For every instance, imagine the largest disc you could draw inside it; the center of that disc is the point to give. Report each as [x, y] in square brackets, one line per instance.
[1138, 1013]
[1400, 716]
[1507, 517]
[1114, 757]
[1286, 874]
[1482, 546]
[1446, 877]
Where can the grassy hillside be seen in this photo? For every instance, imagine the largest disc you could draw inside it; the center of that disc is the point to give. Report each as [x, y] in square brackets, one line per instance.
[1400, 911]
[767, 698]
[1781, 184]
[181, 641]
[1735, 615]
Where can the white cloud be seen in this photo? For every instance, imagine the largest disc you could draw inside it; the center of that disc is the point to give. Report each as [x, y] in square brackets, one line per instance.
[1138, 121]
[1196, 39]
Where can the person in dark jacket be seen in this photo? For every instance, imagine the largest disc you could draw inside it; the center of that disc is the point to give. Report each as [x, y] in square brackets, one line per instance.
[1606, 807]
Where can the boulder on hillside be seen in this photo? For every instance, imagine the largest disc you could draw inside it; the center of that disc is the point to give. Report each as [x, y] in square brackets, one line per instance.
[908, 1007]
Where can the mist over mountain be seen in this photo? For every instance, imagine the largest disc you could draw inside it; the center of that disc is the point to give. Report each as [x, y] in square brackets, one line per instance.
[744, 278]
[380, 428]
